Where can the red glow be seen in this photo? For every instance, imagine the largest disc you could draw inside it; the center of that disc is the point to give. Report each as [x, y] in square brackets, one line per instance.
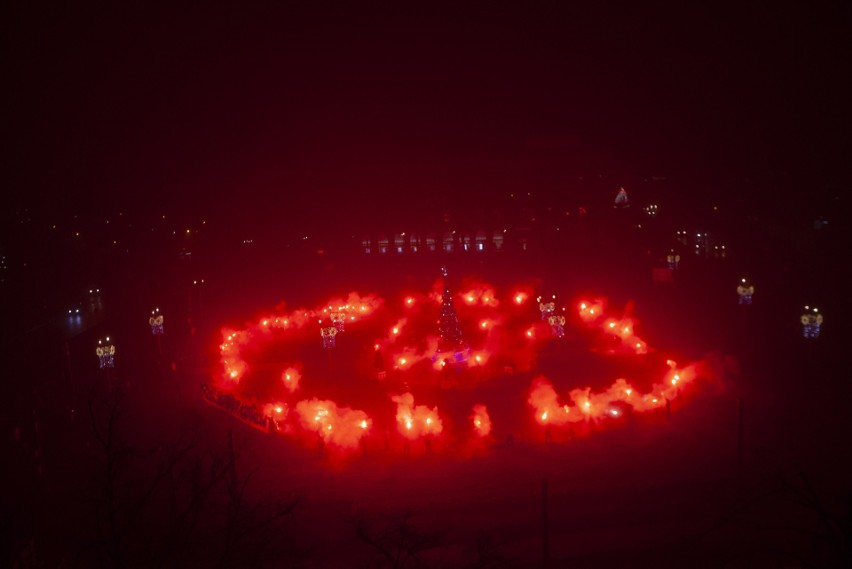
[342, 426]
[500, 341]
[291, 377]
[591, 310]
[481, 421]
[415, 421]
[481, 294]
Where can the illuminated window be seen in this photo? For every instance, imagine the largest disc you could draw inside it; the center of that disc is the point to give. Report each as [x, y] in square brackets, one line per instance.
[466, 243]
[430, 243]
[480, 240]
[383, 244]
[365, 246]
[497, 240]
[414, 243]
[399, 242]
[449, 242]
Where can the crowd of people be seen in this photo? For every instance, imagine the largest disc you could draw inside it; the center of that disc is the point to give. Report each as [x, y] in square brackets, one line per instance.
[246, 412]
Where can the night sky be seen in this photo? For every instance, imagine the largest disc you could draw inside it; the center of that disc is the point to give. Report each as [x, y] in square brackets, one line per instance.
[273, 109]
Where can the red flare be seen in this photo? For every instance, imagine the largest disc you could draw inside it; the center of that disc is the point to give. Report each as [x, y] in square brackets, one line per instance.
[545, 401]
[481, 421]
[414, 422]
[342, 427]
[290, 377]
[590, 310]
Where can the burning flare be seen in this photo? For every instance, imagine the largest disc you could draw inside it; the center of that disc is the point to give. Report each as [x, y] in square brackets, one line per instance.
[414, 422]
[480, 420]
[342, 426]
[290, 378]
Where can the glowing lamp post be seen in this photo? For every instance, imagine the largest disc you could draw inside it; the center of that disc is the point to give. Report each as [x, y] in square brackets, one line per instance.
[106, 354]
[811, 322]
[745, 290]
[557, 324]
[328, 335]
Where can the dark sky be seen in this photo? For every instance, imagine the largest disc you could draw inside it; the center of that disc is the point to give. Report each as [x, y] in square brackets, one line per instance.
[276, 109]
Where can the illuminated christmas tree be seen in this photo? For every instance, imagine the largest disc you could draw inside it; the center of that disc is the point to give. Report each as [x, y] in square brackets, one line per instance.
[448, 324]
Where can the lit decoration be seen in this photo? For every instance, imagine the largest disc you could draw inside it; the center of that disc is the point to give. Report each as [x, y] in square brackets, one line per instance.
[520, 297]
[672, 260]
[340, 426]
[106, 353]
[339, 320]
[621, 199]
[480, 420]
[546, 308]
[557, 324]
[328, 335]
[412, 421]
[156, 322]
[745, 290]
[811, 322]
[650, 210]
